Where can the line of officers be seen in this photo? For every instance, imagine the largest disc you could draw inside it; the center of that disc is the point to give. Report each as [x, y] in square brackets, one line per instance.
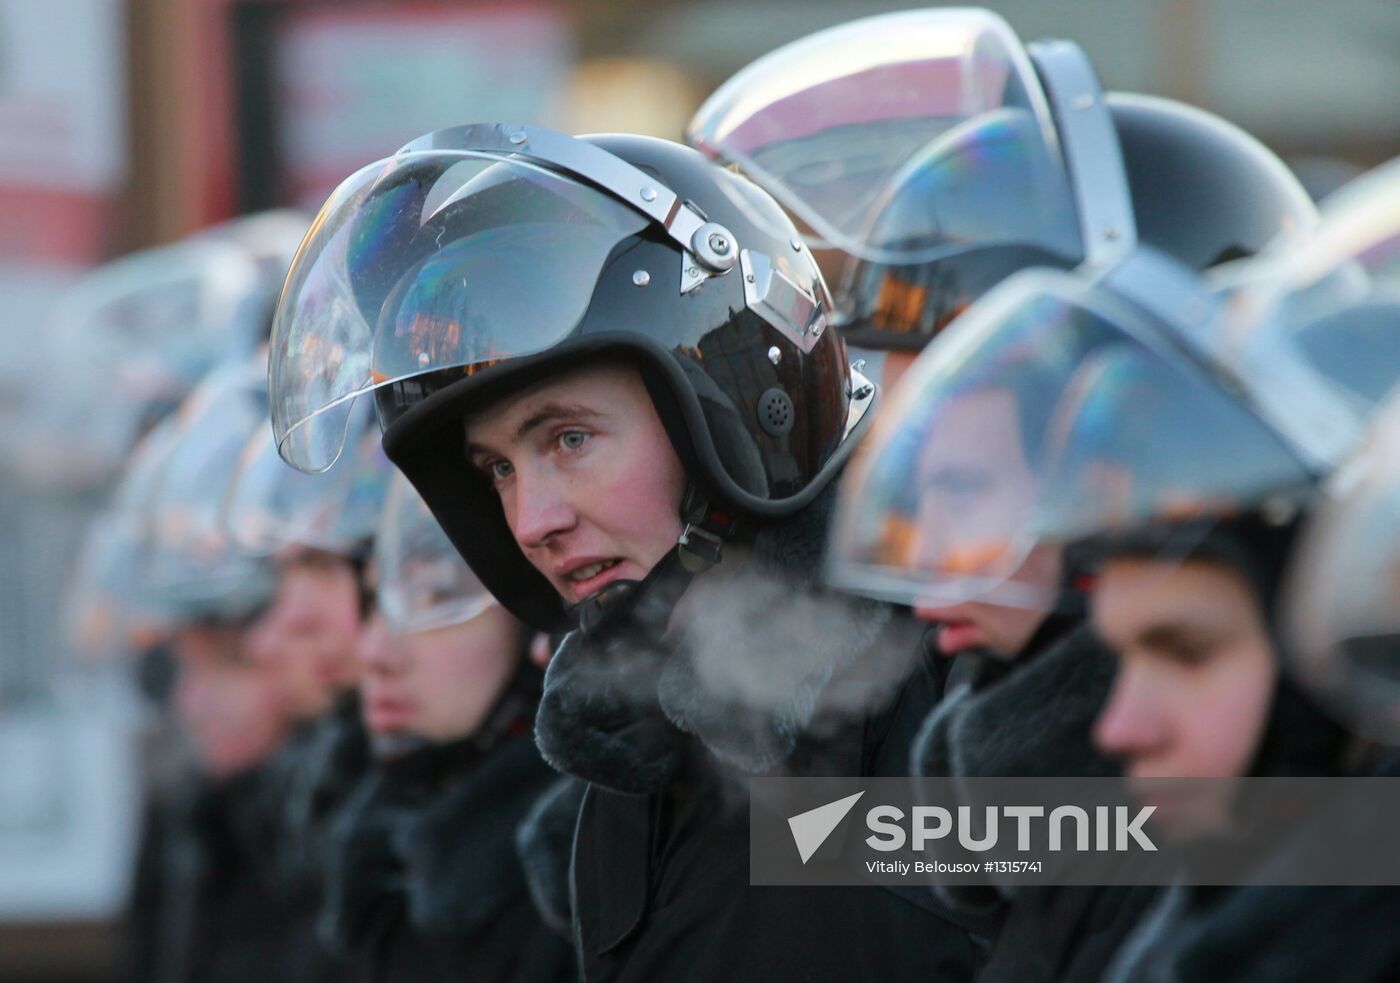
[933, 413]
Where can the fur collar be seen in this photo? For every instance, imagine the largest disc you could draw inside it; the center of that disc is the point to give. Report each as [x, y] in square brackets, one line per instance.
[446, 848]
[746, 673]
[1269, 933]
[1036, 721]
[1275, 934]
[1027, 720]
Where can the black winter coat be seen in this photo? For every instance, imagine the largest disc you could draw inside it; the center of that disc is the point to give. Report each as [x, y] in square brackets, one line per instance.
[766, 675]
[425, 883]
[207, 906]
[1033, 718]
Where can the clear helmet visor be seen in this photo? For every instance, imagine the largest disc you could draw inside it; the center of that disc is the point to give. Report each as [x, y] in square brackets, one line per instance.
[427, 261]
[190, 567]
[423, 582]
[129, 341]
[901, 138]
[1040, 419]
[1342, 594]
[105, 616]
[270, 505]
[1332, 293]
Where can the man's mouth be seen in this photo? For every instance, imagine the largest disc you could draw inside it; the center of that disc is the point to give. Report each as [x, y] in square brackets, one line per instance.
[585, 581]
[954, 636]
[592, 570]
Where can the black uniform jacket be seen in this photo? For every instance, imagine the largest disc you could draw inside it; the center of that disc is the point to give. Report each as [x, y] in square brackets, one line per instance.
[662, 892]
[425, 883]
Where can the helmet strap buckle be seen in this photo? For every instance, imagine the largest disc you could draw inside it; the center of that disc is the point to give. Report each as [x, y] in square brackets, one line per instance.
[701, 542]
[699, 549]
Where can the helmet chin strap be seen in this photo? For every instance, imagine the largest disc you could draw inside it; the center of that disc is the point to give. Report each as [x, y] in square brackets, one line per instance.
[648, 603]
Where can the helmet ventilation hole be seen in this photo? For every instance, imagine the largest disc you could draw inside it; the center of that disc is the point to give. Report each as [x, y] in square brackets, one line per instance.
[775, 413]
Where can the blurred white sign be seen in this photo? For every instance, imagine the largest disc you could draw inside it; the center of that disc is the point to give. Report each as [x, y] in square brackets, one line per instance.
[69, 803]
[356, 84]
[62, 94]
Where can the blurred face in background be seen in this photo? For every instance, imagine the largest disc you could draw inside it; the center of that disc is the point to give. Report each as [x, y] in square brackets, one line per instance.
[1197, 674]
[227, 703]
[975, 483]
[437, 684]
[311, 629]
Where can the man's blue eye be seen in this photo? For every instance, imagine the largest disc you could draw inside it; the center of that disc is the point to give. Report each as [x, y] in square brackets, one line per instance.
[573, 439]
[500, 469]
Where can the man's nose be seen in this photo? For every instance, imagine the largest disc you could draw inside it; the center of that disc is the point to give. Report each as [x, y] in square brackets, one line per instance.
[1129, 724]
[540, 509]
[378, 650]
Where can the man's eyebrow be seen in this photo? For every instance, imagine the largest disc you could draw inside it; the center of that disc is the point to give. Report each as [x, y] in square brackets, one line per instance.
[548, 413]
[1167, 635]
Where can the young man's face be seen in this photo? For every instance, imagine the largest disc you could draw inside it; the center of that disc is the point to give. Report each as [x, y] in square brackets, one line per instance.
[438, 684]
[228, 704]
[589, 483]
[1196, 674]
[311, 630]
[975, 487]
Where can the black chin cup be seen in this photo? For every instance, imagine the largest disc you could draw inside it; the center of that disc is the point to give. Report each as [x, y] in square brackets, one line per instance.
[596, 611]
[642, 606]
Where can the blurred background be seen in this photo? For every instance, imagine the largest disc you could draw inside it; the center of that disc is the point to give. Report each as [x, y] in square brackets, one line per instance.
[127, 124]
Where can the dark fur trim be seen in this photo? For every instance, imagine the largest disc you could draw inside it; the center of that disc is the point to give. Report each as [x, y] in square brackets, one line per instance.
[460, 865]
[361, 866]
[1035, 721]
[743, 673]
[1269, 933]
[1038, 720]
[545, 844]
[1273, 934]
[598, 718]
[440, 844]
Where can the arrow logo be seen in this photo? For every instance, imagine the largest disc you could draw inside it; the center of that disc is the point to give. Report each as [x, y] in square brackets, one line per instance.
[811, 828]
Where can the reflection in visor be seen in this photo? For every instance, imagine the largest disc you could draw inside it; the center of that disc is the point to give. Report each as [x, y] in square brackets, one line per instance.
[1128, 448]
[103, 608]
[835, 123]
[423, 582]
[270, 505]
[1047, 415]
[427, 261]
[1333, 292]
[1342, 595]
[939, 507]
[189, 567]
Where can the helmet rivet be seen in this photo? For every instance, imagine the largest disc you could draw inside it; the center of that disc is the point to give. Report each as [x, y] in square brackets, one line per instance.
[1085, 101]
[648, 194]
[1110, 233]
[774, 355]
[423, 359]
[749, 278]
[518, 137]
[796, 244]
[641, 278]
[693, 271]
[712, 247]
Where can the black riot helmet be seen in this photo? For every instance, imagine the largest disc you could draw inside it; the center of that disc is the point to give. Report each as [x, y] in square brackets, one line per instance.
[930, 154]
[479, 259]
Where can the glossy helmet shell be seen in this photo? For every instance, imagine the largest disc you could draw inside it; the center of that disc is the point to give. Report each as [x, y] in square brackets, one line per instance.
[1203, 191]
[758, 419]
